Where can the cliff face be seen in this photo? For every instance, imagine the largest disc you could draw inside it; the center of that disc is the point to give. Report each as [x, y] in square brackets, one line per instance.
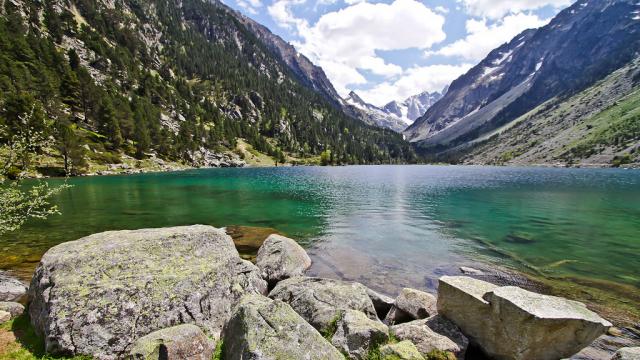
[581, 45]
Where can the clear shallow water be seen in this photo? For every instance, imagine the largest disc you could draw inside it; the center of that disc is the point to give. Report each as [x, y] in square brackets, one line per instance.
[387, 226]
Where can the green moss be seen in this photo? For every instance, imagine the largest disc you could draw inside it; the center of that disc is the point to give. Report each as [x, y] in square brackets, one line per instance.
[217, 354]
[440, 355]
[332, 327]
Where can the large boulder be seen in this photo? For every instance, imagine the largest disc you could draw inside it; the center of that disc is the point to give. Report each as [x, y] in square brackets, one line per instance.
[179, 342]
[403, 350]
[411, 305]
[513, 323]
[264, 329]
[281, 258]
[428, 340]
[11, 289]
[629, 353]
[321, 301]
[356, 335]
[97, 295]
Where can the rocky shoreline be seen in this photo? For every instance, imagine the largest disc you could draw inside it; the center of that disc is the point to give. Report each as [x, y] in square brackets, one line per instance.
[185, 293]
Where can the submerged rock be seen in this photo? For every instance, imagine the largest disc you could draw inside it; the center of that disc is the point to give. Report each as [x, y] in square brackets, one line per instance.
[11, 289]
[631, 353]
[97, 295]
[321, 301]
[428, 340]
[513, 323]
[280, 258]
[175, 343]
[356, 334]
[262, 329]
[411, 305]
[403, 350]
[13, 308]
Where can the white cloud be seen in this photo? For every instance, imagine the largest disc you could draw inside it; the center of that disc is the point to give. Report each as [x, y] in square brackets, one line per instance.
[280, 12]
[345, 42]
[441, 10]
[251, 6]
[496, 9]
[483, 37]
[414, 81]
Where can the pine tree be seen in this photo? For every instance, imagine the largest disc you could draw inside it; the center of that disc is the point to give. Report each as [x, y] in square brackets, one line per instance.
[109, 123]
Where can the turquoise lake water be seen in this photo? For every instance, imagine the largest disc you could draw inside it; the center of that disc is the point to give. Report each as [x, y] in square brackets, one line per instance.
[390, 226]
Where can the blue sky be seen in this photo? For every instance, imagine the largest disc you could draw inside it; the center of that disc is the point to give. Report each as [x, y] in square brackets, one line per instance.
[391, 49]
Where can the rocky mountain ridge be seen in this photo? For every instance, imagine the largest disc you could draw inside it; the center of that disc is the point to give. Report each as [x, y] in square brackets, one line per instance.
[580, 46]
[395, 115]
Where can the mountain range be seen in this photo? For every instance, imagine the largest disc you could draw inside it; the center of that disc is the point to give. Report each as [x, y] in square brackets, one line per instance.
[395, 115]
[536, 73]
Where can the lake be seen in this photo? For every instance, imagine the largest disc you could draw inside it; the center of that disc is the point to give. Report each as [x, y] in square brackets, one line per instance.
[386, 226]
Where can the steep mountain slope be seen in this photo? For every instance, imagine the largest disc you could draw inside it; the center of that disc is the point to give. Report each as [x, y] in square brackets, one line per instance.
[597, 127]
[174, 80]
[581, 45]
[414, 106]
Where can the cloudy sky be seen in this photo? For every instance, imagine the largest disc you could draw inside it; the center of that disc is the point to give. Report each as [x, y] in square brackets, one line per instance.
[391, 49]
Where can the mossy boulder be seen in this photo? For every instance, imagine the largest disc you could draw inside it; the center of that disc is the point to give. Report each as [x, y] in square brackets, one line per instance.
[97, 295]
[280, 258]
[403, 350]
[185, 341]
[429, 337]
[628, 353]
[321, 301]
[13, 308]
[265, 329]
[411, 305]
[356, 335]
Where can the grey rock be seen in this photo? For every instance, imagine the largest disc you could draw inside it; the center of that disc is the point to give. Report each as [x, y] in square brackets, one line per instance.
[513, 323]
[411, 305]
[4, 316]
[630, 353]
[180, 342]
[382, 303]
[13, 308]
[403, 350]
[321, 301]
[97, 295]
[356, 334]
[280, 258]
[11, 289]
[427, 339]
[262, 329]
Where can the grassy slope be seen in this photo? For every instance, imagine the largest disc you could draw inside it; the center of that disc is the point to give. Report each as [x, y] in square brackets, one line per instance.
[592, 128]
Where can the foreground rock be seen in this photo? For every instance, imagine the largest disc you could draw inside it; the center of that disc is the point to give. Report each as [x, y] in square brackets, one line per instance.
[280, 258]
[4, 316]
[262, 329]
[179, 342]
[631, 353]
[411, 305]
[321, 301]
[97, 295]
[433, 334]
[11, 289]
[13, 308]
[512, 323]
[382, 303]
[356, 334]
[403, 350]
